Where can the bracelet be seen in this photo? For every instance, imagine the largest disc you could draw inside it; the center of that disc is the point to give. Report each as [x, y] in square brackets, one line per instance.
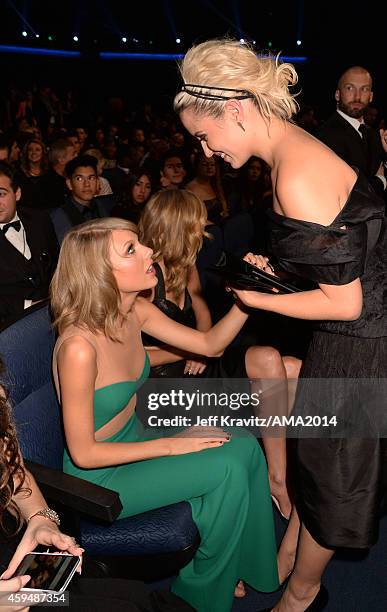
[47, 513]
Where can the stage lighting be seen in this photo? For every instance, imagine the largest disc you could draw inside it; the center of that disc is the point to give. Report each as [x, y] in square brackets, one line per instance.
[299, 42]
[270, 44]
[37, 35]
[50, 37]
[178, 40]
[75, 38]
[242, 40]
[24, 33]
[124, 39]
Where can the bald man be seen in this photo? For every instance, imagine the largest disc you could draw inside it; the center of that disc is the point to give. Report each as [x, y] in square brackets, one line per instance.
[346, 133]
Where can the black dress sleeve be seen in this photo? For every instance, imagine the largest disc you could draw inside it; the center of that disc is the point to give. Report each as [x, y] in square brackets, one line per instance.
[329, 255]
[335, 254]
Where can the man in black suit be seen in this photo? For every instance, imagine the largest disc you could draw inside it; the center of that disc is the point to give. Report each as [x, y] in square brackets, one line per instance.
[346, 133]
[28, 250]
[82, 204]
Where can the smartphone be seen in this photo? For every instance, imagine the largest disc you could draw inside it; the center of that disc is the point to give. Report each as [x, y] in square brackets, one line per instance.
[50, 572]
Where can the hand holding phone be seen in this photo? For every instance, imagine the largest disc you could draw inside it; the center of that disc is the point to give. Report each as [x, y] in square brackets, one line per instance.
[50, 572]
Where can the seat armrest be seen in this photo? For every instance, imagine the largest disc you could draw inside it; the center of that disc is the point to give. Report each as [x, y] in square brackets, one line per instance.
[93, 500]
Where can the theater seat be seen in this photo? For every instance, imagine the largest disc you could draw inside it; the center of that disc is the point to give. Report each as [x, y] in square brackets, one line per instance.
[147, 546]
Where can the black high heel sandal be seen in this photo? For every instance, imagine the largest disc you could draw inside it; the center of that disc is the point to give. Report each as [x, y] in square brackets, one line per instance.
[317, 605]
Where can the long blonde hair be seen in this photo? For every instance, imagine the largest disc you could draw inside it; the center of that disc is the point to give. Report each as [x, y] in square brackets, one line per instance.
[83, 289]
[226, 63]
[172, 225]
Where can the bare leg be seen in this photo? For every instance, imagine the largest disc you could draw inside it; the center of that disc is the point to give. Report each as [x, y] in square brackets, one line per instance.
[292, 367]
[240, 590]
[305, 581]
[266, 364]
[286, 556]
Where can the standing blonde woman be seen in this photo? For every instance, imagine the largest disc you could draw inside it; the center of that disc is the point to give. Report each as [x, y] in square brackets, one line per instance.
[99, 363]
[331, 232]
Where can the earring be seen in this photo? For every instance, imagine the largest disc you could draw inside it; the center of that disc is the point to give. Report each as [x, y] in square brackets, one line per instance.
[241, 126]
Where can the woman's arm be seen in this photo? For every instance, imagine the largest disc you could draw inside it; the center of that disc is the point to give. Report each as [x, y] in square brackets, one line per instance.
[329, 302]
[211, 343]
[77, 374]
[39, 530]
[200, 308]
[161, 355]
[303, 195]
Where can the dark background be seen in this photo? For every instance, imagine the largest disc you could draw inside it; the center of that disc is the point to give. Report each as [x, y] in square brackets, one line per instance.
[334, 36]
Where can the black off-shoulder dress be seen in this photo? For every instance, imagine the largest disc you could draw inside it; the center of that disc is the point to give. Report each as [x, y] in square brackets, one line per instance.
[340, 483]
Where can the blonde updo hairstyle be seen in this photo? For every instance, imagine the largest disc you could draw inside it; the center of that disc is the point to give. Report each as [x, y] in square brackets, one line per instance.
[83, 289]
[230, 64]
[172, 225]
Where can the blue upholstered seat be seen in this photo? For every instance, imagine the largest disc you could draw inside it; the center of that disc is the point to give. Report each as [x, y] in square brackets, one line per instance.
[26, 348]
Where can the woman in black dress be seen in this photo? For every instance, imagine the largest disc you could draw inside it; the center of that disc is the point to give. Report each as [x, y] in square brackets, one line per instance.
[173, 226]
[331, 232]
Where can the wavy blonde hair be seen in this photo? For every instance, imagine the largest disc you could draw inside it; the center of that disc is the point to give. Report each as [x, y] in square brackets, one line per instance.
[172, 225]
[83, 289]
[228, 63]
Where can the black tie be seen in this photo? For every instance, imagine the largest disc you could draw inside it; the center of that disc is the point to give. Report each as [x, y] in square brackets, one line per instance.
[363, 129]
[15, 224]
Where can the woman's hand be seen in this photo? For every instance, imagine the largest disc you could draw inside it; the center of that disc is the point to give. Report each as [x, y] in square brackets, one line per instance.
[42, 531]
[259, 261]
[194, 367]
[12, 586]
[383, 139]
[197, 438]
[248, 298]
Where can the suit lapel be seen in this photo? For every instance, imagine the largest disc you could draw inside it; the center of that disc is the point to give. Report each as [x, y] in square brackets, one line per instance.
[32, 233]
[356, 144]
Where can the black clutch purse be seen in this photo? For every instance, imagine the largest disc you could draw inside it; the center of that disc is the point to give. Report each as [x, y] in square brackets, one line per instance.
[242, 275]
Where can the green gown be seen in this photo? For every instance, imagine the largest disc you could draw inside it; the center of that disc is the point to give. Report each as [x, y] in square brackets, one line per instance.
[227, 488]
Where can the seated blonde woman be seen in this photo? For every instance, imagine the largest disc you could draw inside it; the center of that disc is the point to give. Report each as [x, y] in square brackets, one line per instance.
[99, 363]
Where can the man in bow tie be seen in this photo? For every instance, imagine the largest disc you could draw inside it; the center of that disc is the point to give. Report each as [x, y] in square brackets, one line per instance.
[28, 250]
[346, 133]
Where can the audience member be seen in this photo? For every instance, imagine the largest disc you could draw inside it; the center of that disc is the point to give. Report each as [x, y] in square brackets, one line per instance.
[173, 226]
[172, 170]
[82, 137]
[104, 185]
[28, 250]
[103, 266]
[119, 175]
[33, 166]
[53, 185]
[207, 185]
[72, 137]
[82, 204]
[346, 132]
[140, 188]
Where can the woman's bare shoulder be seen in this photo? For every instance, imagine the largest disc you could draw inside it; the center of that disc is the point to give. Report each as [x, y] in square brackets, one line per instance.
[76, 349]
[312, 183]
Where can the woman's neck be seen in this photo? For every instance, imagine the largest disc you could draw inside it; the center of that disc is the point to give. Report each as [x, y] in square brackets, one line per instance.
[127, 303]
[203, 180]
[35, 168]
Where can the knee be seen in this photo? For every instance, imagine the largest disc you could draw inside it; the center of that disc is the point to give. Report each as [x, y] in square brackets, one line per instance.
[245, 452]
[264, 362]
[292, 367]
